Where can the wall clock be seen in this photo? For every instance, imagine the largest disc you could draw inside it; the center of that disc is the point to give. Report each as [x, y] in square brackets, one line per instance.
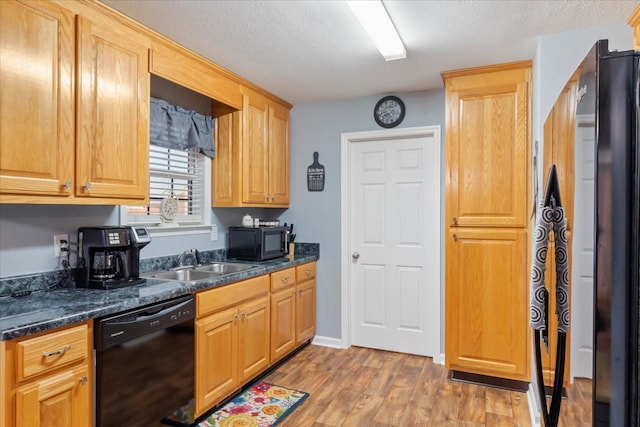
[389, 111]
[168, 209]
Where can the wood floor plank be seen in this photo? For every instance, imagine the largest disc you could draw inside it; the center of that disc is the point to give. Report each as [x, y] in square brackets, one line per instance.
[363, 411]
[498, 401]
[472, 404]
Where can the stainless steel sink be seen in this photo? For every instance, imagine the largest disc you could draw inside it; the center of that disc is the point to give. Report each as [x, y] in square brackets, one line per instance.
[183, 275]
[225, 267]
[201, 272]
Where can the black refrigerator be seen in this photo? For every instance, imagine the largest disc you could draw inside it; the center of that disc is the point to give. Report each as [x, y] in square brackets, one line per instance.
[617, 233]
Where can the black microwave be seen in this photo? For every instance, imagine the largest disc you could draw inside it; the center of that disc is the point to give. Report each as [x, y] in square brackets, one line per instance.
[257, 243]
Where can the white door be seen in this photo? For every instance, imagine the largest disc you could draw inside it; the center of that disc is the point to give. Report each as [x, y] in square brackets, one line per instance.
[394, 240]
[583, 228]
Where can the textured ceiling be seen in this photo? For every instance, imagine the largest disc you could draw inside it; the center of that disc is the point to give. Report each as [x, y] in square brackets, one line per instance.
[311, 51]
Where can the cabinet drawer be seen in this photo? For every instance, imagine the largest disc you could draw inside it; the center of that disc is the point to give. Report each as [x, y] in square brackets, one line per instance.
[305, 272]
[283, 278]
[225, 296]
[37, 355]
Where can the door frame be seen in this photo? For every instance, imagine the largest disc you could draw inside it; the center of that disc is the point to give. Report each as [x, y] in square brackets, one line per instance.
[345, 212]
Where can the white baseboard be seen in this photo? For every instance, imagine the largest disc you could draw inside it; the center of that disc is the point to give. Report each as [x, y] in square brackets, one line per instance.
[534, 412]
[328, 342]
[439, 359]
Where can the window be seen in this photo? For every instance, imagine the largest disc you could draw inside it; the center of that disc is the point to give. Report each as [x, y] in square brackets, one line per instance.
[176, 172]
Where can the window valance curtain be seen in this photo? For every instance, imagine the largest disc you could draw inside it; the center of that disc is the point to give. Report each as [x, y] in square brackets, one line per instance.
[174, 127]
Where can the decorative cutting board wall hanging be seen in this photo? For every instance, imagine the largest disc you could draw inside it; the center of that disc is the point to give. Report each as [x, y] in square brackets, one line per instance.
[315, 175]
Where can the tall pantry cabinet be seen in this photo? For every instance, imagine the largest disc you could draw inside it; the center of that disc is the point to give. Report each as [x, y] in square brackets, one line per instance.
[487, 220]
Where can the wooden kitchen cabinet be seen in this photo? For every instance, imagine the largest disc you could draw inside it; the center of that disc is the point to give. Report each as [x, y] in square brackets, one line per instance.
[634, 22]
[48, 378]
[232, 339]
[257, 139]
[305, 302]
[487, 302]
[293, 308]
[74, 129]
[487, 146]
[283, 313]
[488, 208]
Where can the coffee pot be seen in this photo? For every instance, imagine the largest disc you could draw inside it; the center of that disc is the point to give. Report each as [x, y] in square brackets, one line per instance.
[109, 257]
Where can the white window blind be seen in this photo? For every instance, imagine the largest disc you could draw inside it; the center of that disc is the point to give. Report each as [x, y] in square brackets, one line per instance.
[173, 172]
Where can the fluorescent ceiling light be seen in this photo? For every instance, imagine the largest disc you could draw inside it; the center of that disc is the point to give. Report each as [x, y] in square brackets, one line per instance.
[375, 20]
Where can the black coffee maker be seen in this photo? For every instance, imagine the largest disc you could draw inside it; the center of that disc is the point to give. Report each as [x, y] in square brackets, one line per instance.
[109, 257]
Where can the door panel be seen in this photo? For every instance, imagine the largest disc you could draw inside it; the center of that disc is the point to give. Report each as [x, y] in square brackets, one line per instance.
[113, 115]
[488, 150]
[583, 241]
[487, 300]
[396, 279]
[37, 105]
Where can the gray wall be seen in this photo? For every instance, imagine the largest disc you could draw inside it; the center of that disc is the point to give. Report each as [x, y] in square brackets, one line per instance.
[316, 215]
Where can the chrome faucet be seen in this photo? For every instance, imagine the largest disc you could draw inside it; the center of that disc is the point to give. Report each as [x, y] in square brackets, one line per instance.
[193, 253]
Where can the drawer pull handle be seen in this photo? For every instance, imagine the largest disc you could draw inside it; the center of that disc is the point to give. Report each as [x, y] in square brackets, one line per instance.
[63, 350]
[83, 381]
[285, 279]
[307, 272]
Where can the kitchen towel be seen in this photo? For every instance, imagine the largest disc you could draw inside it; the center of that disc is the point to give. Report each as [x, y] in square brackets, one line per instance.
[550, 218]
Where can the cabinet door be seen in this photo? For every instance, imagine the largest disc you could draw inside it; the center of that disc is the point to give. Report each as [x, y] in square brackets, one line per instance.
[113, 112]
[216, 358]
[278, 155]
[255, 149]
[488, 148]
[305, 310]
[225, 174]
[253, 350]
[283, 322]
[487, 328]
[36, 106]
[59, 400]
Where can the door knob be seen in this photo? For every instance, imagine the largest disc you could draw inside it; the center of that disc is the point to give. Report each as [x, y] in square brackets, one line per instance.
[355, 255]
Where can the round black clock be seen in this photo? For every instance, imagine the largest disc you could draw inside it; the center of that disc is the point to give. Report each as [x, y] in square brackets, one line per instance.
[389, 111]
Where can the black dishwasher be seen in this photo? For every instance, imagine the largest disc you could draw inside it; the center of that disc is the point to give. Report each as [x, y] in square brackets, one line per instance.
[144, 363]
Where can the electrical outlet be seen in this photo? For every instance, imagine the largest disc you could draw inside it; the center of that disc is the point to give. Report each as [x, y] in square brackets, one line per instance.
[58, 244]
[214, 233]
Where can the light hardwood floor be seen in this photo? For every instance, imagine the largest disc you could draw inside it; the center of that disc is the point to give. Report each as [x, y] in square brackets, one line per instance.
[369, 388]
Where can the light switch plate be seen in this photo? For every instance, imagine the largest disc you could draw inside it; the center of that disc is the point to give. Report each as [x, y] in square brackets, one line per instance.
[214, 233]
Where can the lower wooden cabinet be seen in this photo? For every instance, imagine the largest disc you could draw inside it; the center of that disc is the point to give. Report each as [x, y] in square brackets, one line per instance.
[293, 308]
[487, 324]
[305, 302]
[232, 339]
[48, 379]
[62, 399]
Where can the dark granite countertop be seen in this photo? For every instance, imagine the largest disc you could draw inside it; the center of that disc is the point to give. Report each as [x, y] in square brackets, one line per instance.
[50, 309]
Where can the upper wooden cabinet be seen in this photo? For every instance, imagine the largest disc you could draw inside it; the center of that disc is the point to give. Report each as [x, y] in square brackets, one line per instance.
[112, 125]
[488, 145]
[74, 111]
[37, 103]
[634, 21]
[257, 139]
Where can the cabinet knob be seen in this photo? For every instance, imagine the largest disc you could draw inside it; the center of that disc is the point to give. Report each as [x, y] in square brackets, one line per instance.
[87, 185]
[455, 237]
[266, 198]
[67, 185]
[273, 198]
[454, 220]
[355, 255]
[307, 272]
[285, 279]
[83, 381]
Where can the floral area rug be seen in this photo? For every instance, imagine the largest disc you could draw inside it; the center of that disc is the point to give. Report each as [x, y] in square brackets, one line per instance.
[261, 405]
